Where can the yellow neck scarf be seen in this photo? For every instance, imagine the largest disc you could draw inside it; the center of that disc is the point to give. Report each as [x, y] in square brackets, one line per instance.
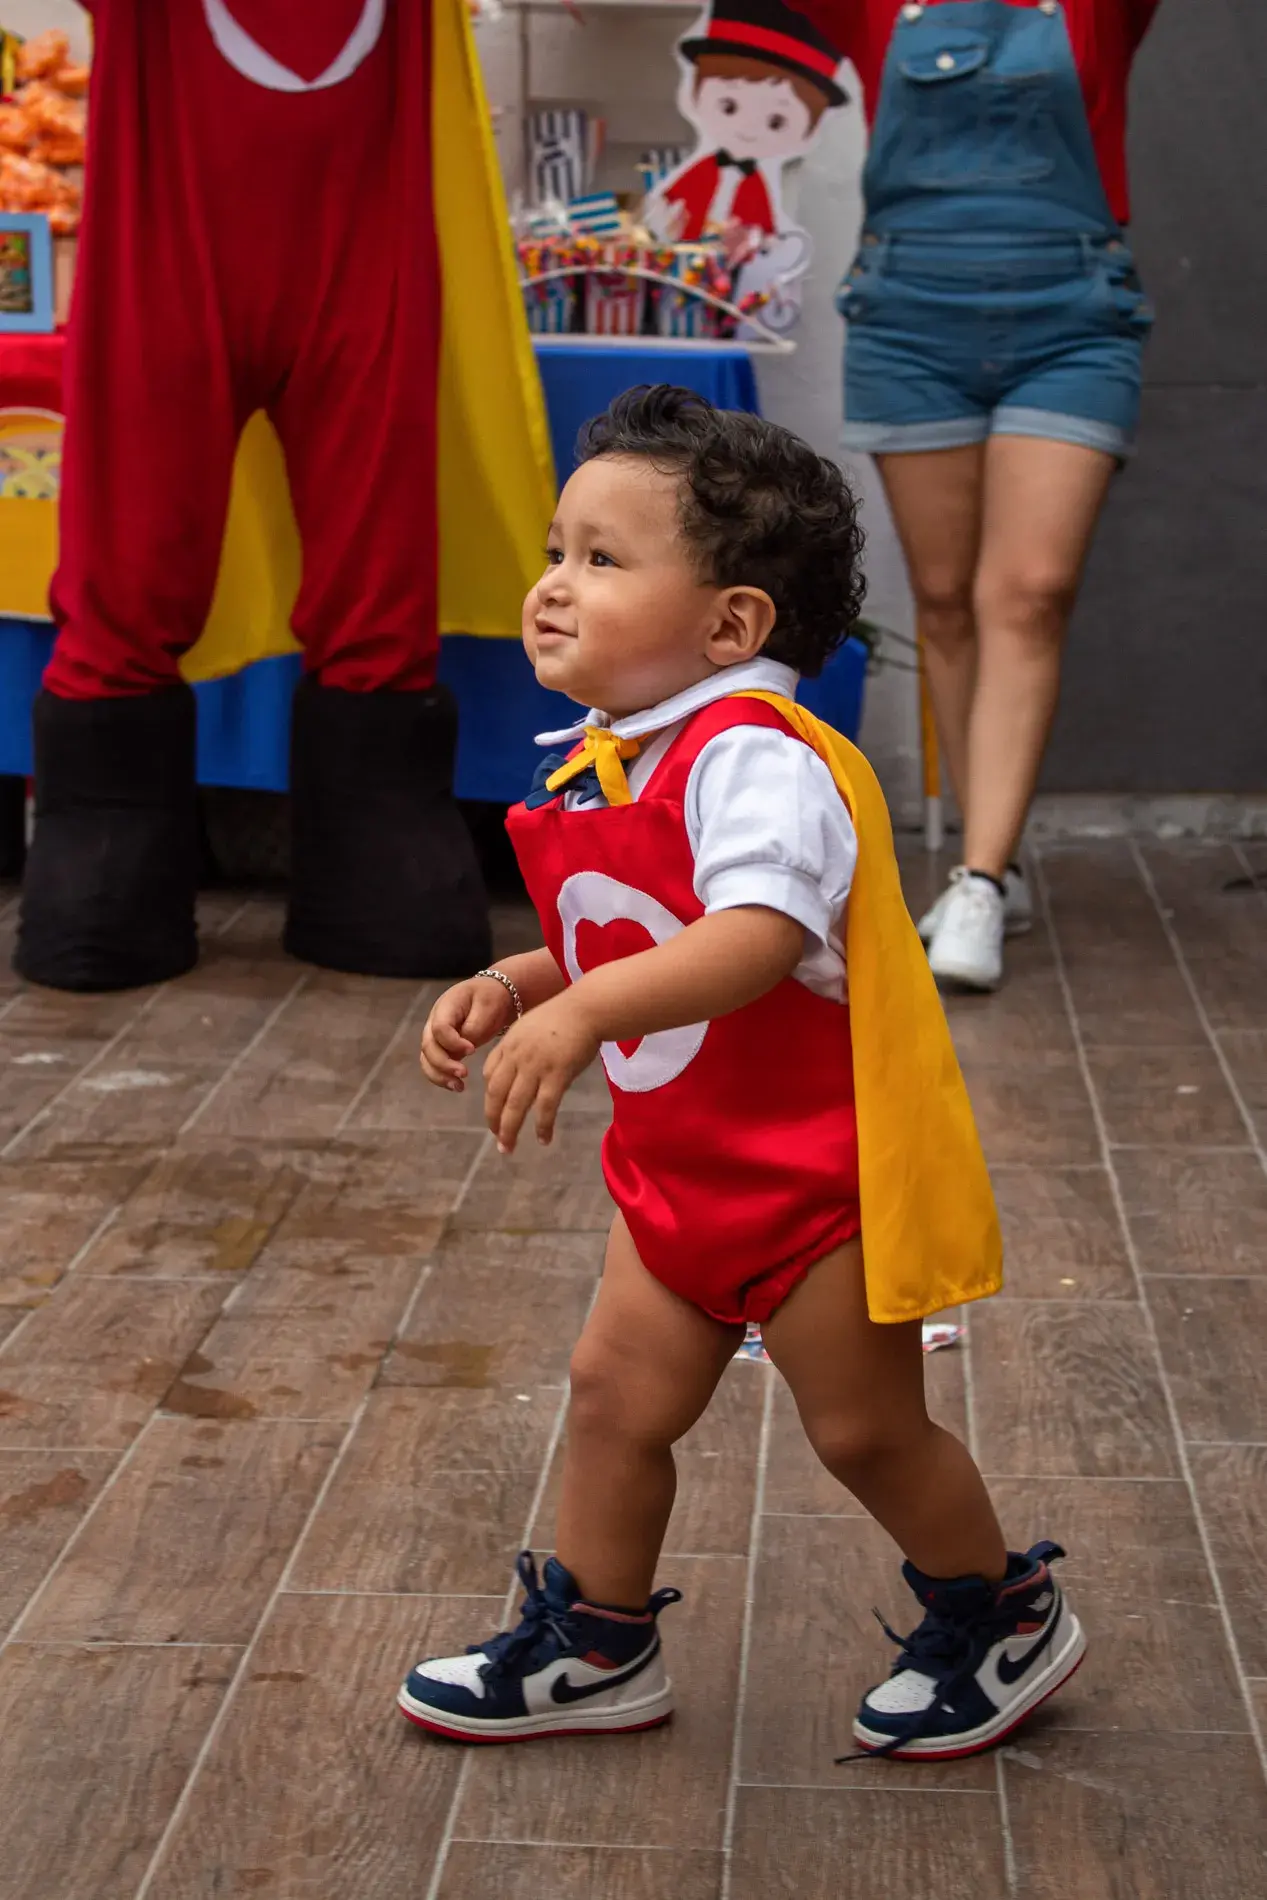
[605, 752]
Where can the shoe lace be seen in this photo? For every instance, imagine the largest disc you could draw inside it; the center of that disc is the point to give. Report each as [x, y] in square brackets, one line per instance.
[541, 1624]
[947, 1650]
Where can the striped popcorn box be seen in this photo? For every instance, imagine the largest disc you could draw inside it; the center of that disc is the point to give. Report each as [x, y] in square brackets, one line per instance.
[596, 215]
[616, 302]
[678, 313]
[551, 307]
[559, 145]
[549, 301]
[658, 163]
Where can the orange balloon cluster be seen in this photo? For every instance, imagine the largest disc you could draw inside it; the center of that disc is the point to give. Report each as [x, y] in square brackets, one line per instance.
[42, 133]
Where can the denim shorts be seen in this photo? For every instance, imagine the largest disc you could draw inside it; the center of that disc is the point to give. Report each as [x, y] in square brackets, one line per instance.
[952, 340]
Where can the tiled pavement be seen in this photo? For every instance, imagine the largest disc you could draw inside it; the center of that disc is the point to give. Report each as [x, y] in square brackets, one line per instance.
[281, 1392]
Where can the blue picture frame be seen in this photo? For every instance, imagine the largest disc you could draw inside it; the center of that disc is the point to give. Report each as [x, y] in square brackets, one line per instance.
[37, 319]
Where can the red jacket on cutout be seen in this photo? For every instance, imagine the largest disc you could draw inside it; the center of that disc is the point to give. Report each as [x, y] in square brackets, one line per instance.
[697, 188]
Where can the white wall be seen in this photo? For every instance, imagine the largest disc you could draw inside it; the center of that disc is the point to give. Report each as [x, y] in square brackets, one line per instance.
[29, 17]
[622, 65]
[804, 392]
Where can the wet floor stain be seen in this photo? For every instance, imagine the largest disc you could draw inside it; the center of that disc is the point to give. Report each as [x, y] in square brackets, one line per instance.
[236, 1242]
[456, 1362]
[205, 1401]
[54, 1494]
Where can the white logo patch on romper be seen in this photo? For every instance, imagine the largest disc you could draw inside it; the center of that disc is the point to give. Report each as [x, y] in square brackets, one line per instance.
[249, 58]
[593, 897]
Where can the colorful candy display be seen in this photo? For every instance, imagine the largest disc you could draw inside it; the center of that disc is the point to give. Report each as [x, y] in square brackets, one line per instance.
[626, 285]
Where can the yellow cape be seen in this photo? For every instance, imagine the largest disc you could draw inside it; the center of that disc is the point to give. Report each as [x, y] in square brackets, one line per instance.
[929, 1225]
[496, 473]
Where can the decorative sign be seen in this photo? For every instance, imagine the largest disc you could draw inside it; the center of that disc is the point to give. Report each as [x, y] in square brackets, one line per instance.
[26, 272]
[757, 81]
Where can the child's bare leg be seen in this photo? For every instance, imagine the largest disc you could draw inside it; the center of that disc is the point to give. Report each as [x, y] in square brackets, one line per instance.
[644, 1370]
[859, 1389]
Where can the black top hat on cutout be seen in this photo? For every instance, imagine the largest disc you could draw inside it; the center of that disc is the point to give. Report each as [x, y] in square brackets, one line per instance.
[769, 31]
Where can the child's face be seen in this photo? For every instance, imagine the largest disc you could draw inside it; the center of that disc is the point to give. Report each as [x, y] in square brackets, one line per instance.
[752, 118]
[620, 619]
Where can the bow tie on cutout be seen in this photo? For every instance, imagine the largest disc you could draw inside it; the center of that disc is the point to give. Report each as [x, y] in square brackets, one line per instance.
[745, 165]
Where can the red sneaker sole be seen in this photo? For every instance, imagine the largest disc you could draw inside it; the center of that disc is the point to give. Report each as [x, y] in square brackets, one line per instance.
[976, 1748]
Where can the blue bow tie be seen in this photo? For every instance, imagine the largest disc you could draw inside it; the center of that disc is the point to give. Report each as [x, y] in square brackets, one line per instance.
[584, 782]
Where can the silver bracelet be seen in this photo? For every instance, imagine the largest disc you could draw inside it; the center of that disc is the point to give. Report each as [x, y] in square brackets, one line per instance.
[500, 976]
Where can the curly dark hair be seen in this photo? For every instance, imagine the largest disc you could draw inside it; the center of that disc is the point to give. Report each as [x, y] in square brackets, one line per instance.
[758, 508]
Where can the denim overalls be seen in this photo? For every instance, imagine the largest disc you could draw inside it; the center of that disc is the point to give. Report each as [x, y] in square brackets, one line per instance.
[994, 291]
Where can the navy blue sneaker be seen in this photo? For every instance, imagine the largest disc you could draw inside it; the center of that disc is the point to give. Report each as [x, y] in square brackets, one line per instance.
[983, 1658]
[570, 1668]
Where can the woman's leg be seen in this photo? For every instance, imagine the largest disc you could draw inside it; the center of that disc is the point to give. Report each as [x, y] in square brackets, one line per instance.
[936, 501]
[1041, 503]
[859, 1389]
[644, 1370]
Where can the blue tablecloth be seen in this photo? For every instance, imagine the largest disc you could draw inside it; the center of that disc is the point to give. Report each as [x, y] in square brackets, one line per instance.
[244, 721]
[580, 380]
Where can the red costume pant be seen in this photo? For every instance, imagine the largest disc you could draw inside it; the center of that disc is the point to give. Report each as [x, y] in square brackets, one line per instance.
[248, 246]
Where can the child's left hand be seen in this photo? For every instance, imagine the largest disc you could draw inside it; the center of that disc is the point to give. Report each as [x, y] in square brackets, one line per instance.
[536, 1063]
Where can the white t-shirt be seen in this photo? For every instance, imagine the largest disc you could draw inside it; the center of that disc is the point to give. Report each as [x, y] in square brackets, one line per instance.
[766, 824]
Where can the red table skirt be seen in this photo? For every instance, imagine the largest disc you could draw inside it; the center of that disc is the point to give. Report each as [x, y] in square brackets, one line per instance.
[31, 372]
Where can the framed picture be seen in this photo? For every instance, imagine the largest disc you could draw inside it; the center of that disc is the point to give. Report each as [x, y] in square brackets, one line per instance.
[26, 273]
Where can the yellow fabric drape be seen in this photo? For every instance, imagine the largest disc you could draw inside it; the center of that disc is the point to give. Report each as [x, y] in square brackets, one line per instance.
[496, 473]
[497, 486]
[929, 1225]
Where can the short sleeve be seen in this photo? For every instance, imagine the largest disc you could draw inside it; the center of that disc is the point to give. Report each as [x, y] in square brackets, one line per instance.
[768, 827]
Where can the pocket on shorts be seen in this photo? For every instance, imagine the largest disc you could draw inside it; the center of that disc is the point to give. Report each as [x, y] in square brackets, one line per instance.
[1121, 296]
[856, 292]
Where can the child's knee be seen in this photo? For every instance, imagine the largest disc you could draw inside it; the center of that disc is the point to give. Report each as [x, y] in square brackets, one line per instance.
[601, 1403]
[849, 1442]
[610, 1400]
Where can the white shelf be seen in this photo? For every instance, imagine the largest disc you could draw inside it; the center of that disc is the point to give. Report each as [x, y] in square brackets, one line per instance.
[718, 345]
[603, 6]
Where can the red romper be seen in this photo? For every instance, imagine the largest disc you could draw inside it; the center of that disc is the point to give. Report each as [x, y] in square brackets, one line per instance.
[733, 1149]
[258, 234]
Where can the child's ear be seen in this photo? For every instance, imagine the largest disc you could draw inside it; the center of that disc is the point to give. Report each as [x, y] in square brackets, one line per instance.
[745, 621]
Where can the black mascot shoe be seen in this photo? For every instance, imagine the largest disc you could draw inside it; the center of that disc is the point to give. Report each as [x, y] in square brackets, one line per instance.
[111, 876]
[12, 826]
[384, 876]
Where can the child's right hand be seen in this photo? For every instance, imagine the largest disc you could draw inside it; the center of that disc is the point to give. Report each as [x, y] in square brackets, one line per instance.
[463, 1020]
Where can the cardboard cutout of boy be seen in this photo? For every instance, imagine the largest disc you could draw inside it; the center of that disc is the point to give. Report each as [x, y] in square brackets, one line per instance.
[757, 80]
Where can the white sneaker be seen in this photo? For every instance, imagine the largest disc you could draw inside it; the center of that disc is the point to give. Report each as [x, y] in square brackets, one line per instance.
[569, 1668]
[1018, 905]
[982, 1659]
[967, 946]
